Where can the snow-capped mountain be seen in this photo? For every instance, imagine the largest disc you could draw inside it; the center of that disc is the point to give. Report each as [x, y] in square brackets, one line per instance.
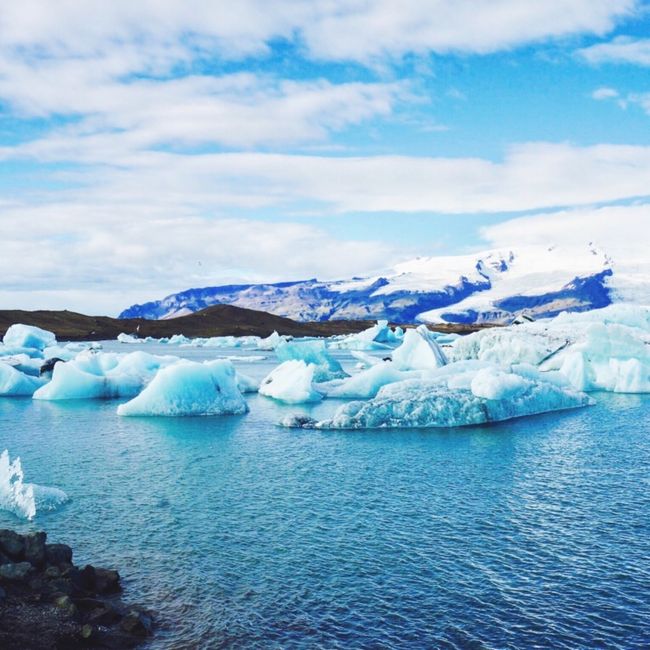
[492, 286]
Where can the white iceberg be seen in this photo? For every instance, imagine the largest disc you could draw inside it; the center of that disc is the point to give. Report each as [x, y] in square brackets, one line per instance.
[102, 375]
[471, 393]
[129, 339]
[28, 336]
[377, 337]
[312, 352]
[419, 351]
[13, 382]
[367, 383]
[190, 388]
[25, 499]
[291, 382]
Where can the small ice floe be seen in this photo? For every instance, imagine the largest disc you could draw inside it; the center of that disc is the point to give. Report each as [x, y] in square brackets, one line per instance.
[291, 382]
[25, 499]
[190, 388]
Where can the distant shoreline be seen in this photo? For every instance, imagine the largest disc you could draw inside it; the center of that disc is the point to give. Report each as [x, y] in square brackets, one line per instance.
[218, 320]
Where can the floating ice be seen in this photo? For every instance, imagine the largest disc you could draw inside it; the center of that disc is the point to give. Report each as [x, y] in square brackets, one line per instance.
[367, 383]
[190, 388]
[419, 351]
[128, 338]
[271, 342]
[377, 337]
[25, 499]
[13, 382]
[102, 375]
[606, 349]
[312, 352]
[608, 357]
[472, 393]
[291, 382]
[28, 336]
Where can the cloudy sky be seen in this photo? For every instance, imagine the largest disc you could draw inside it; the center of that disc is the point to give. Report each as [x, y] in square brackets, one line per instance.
[148, 146]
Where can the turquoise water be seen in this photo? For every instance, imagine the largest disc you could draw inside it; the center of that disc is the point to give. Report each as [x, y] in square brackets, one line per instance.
[533, 533]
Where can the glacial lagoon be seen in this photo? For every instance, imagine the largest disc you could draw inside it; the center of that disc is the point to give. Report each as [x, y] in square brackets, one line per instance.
[530, 532]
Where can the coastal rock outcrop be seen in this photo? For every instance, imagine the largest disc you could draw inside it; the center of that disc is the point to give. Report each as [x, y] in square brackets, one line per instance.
[46, 602]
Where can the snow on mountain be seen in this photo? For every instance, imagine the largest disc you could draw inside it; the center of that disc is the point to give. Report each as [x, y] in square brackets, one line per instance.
[492, 286]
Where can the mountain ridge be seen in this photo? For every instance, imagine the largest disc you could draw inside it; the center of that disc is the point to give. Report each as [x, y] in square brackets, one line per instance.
[494, 286]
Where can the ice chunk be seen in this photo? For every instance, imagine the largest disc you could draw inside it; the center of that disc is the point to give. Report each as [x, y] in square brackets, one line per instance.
[419, 351]
[312, 352]
[377, 337]
[247, 384]
[368, 382]
[271, 342]
[190, 388]
[13, 382]
[608, 357]
[445, 401]
[128, 338]
[25, 499]
[102, 375]
[291, 382]
[28, 336]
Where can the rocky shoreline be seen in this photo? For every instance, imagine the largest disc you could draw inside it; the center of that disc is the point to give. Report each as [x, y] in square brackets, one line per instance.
[47, 603]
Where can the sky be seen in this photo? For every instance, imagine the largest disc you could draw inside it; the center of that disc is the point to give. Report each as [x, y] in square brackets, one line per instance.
[149, 146]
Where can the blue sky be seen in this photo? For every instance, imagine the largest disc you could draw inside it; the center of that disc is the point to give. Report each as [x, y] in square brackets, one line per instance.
[146, 147]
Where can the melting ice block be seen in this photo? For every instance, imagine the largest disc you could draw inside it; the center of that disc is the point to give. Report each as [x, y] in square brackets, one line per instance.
[312, 352]
[28, 336]
[367, 383]
[377, 337]
[470, 393]
[190, 388]
[102, 375]
[15, 383]
[25, 499]
[419, 351]
[291, 382]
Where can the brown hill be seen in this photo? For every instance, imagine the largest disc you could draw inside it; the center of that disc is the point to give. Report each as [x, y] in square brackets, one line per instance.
[218, 320]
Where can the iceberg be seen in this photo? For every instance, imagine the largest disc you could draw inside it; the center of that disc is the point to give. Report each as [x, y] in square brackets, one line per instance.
[189, 388]
[13, 382]
[367, 383]
[271, 342]
[94, 375]
[312, 352]
[25, 499]
[419, 351]
[28, 336]
[291, 382]
[129, 338]
[377, 337]
[472, 393]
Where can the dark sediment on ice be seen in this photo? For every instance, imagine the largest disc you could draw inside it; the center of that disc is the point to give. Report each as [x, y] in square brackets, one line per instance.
[48, 603]
[219, 320]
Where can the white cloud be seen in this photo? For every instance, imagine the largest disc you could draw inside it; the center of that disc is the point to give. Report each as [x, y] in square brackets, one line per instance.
[532, 176]
[330, 29]
[622, 49]
[604, 93]
[98, 258]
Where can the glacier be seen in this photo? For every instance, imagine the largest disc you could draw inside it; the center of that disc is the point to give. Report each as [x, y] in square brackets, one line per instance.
[490, 286]
[189, 388]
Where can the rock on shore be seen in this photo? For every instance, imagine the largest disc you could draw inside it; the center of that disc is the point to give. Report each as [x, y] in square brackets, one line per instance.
[46, 602]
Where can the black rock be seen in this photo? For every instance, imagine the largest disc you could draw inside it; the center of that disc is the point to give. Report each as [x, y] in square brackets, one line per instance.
[11, 544]
[136, 623]
[34, 552]
[48, 366]
[16, 571]
[58, 554]
[107, 581]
